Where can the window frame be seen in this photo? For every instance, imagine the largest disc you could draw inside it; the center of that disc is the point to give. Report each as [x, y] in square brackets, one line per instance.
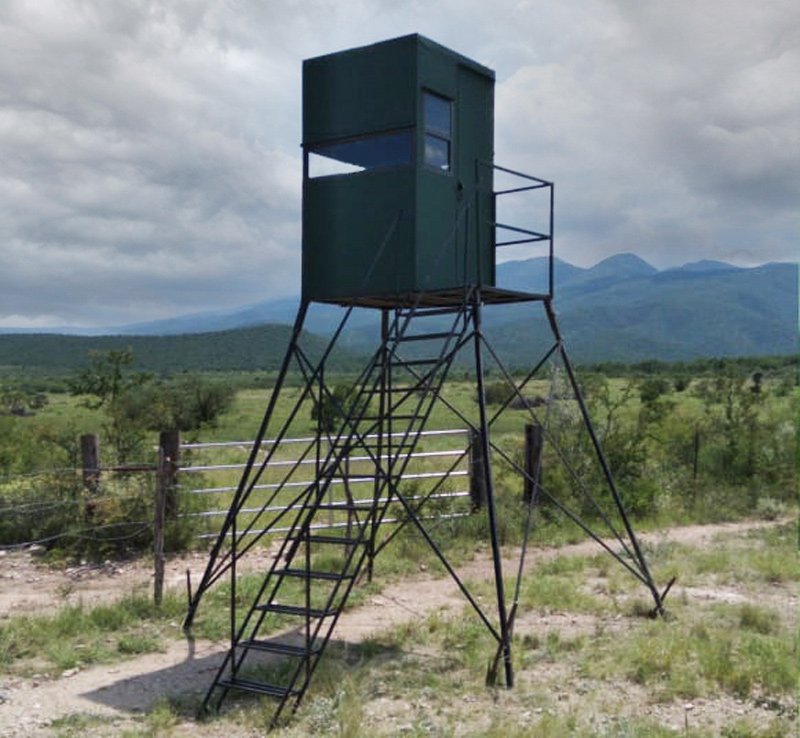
[430, 131]
[316, 150]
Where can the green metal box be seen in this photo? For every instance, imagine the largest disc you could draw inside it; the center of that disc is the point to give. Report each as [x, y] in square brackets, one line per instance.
[397, 181]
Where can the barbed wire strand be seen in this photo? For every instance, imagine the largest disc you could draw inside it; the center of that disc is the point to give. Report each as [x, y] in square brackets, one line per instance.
[143, 525]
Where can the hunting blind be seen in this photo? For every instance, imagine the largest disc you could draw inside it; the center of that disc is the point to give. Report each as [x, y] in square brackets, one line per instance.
[400, 221]
[397, 142]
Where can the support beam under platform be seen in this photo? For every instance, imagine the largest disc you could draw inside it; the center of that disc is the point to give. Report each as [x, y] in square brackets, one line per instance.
[366, 437]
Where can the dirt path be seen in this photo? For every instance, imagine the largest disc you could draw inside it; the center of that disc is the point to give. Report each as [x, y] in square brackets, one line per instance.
[27, 706]
[27, 585]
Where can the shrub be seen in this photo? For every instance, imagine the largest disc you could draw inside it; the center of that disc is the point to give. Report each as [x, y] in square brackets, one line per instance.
[112, 522]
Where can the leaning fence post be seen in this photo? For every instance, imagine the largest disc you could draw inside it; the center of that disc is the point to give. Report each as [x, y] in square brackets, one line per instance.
[534, 437]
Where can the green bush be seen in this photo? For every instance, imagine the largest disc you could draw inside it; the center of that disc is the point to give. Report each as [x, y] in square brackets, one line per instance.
[114, 521]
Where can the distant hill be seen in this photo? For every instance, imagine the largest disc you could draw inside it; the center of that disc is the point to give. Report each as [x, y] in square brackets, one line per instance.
[259, 348]
[621, 309]
[704, 265]
[271, 311]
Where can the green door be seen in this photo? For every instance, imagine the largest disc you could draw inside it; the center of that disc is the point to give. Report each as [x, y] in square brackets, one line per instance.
[473, 151]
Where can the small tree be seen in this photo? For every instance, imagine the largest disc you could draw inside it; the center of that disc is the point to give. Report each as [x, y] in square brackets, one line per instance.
[732, 415]
[184, 404]
[652, 388]
[107, 378]
[332, 407]
[104, 384]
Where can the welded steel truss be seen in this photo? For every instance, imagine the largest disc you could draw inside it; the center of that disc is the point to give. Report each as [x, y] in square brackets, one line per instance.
[365, 439]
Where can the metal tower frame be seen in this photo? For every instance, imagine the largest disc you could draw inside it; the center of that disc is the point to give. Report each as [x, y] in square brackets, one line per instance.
[379, 424]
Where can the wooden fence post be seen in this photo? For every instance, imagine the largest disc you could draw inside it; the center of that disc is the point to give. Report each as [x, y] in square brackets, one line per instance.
[90, 457]
[534, 438]
[162, 476]
[166, 504]
[477, 475]
[169, 444]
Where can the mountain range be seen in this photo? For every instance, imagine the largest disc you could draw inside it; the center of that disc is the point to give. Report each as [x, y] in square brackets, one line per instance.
[621, 309]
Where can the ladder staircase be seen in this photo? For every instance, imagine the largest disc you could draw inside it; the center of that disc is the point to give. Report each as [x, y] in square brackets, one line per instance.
[276, 647]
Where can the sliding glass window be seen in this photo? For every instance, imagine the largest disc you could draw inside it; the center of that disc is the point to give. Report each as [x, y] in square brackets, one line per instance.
[438, 117]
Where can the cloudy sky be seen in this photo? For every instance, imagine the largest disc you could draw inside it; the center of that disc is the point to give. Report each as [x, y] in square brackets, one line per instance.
[150, 162]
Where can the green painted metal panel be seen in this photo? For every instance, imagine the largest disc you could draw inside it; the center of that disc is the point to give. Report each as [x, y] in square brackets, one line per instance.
[355, 235]
[437, 237]
[404, 124]
[360, 91]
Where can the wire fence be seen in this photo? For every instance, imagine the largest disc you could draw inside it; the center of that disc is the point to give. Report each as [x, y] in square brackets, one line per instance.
[436, 474]
[54, 508]
[112, 506]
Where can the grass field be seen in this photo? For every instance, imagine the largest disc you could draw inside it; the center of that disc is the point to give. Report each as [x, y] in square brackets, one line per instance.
[724, 663]
[587, 662]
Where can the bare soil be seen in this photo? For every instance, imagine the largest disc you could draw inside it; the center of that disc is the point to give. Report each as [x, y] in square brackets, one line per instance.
[117, 695]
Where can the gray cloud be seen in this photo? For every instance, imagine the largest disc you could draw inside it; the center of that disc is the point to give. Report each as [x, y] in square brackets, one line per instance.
[150, 150]
[672, 134]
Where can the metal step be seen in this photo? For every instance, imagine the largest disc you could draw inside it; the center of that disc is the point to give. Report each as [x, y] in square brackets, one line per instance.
[417, 362]
[303, 574]
[277, 647]
[424, 336]
[321, 538]
[250, 685]
[312, 612]
[396, 416]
